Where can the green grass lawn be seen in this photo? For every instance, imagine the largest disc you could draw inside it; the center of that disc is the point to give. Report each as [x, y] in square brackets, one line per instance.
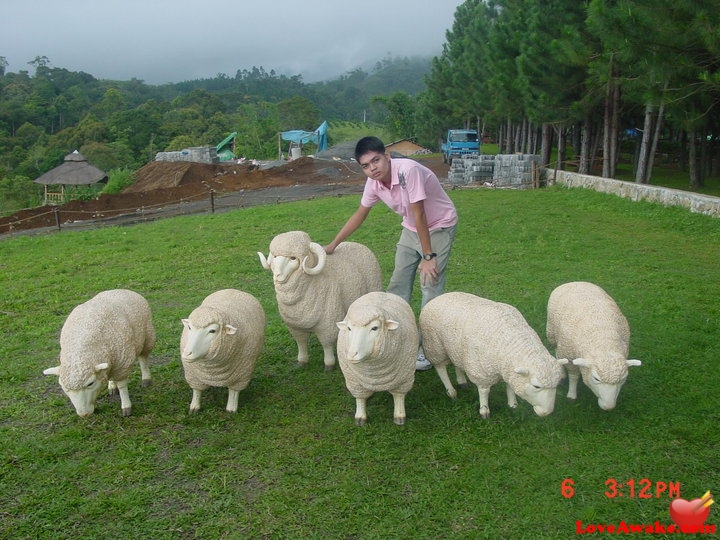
[291, 463]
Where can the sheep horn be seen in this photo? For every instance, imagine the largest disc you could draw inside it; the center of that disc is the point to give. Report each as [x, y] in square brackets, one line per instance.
[265, 262]
[319, 252]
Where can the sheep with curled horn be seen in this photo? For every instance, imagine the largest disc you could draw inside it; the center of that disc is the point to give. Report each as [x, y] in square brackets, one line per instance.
[314, 289]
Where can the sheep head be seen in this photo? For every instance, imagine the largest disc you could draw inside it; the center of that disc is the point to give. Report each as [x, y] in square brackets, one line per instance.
[538, 386]
[605, 379]
[202, 334]
[290, 251]
[82, 384]
[364, 339]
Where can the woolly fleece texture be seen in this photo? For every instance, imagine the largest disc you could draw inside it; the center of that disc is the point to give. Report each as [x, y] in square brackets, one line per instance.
[586, 326]
[377, 347]
[100, 341]
[489, 341]
[233, 322]
[314, 303]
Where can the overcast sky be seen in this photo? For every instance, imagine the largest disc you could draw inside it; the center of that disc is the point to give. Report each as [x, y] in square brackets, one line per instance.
[160, 41]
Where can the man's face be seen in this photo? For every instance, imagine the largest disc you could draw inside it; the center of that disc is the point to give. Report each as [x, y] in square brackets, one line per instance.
[376, 166]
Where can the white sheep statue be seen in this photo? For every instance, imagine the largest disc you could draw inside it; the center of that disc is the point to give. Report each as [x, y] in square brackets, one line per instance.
[314, 290]
[99, 342]
[377, 348]
[220, 343]
[489, 341]
[585, 325]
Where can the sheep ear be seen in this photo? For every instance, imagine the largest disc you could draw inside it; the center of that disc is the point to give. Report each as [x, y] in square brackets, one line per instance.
[582, 362]
[392, 325]
[101, 367]
[634, 363]
[342, 325]
[522, 371]
[186, 323]
[230, 330]
[52, 371]
[563, 361]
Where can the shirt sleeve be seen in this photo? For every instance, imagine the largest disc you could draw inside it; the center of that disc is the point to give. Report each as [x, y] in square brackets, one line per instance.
[415, 185]
[369, 196]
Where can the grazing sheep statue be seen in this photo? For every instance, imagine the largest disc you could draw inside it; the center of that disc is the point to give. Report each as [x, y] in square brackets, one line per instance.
[220, 344]
[377, 349]
[99, 342]
[314, 290]
[489, 341]
[585, 325]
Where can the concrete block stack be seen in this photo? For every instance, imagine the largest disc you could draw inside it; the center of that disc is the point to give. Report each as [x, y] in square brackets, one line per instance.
[197, 154]
[515, 170]
[504, 170]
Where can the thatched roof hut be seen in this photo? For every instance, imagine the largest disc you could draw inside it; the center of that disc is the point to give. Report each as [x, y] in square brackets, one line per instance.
[74, 171]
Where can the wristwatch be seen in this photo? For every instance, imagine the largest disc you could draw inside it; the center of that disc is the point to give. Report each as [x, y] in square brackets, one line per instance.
[429, 256]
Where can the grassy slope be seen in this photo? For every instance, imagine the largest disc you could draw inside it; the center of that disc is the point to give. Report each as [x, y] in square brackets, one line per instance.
[291, 463]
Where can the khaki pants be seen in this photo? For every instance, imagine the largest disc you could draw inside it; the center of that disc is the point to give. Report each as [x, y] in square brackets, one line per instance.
[408, 254]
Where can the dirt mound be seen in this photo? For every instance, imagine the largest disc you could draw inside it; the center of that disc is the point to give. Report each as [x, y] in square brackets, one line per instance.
[223, 177]
[162, 183]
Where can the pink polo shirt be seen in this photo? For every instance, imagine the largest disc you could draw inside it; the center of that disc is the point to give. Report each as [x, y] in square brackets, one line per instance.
[412, 182]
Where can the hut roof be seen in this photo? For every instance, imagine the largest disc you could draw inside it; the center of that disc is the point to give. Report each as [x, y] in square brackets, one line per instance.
[74, 171]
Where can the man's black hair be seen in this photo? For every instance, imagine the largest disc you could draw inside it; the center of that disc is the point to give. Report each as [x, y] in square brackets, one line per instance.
[368, 144]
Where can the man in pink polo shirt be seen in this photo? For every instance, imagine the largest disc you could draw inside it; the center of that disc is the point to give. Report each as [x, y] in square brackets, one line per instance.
[428, 216]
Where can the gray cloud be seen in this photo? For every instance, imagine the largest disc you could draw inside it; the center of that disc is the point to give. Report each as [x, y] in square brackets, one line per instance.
[163, 41]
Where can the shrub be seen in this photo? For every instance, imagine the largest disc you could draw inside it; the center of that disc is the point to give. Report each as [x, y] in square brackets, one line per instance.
[118, 179]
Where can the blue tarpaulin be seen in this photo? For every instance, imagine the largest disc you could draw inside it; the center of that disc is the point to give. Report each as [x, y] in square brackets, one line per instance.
[319, 136]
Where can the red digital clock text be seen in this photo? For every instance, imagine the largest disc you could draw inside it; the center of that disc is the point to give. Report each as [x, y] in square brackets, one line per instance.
[642, 488]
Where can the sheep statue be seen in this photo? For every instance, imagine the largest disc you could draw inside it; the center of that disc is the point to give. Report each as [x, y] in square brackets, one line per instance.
[489, 341]
[220, 344]
[99, 342]
[377, 348]
[585, 325]
[314, 290]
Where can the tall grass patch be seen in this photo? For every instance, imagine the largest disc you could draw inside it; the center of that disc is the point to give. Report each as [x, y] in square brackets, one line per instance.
[291, 463]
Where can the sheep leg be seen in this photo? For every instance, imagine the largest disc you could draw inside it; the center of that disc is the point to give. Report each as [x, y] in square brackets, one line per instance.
[512, 399]
[301, 338]
[329, 356]
[573, 378]
[445, 378]
[460, 376]
[112, 388]
[195, 403]
[232, 402]
[125, 403]
[398, 408]
[360, 412]
[484, 393]
[145, 370]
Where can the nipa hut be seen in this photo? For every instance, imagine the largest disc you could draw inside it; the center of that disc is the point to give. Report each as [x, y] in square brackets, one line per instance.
[74, 171]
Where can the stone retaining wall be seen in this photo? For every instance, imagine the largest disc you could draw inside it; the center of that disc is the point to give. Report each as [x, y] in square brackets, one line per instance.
[701, 204]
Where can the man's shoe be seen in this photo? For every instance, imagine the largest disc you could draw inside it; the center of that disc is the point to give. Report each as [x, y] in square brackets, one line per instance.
[422, 363]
